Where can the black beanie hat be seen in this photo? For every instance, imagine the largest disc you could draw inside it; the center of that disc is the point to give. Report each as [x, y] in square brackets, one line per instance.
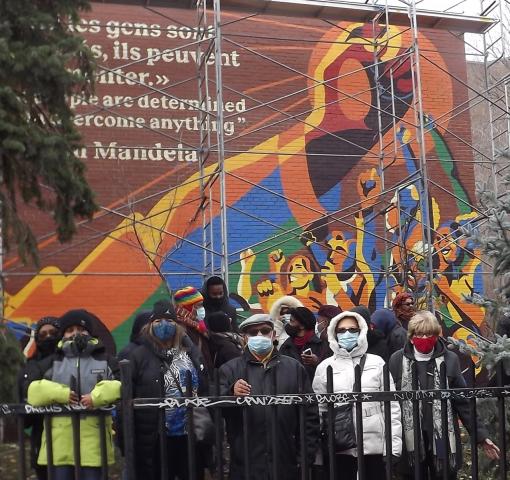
[364, 312]
[304, 316]
[76, 317]
[163, 309]
[218, 322]
[45, 321]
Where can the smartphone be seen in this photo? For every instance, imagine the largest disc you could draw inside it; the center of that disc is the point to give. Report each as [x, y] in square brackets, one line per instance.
[308, 351]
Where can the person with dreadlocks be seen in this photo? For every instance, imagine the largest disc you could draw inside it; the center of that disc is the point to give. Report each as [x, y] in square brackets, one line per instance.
[424, 354]
[403, 308]
[46, 338]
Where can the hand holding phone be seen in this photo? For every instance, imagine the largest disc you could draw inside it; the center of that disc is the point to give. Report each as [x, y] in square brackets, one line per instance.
[309, 359]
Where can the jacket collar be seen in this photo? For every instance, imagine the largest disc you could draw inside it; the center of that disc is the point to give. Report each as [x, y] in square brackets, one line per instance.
[273, 360]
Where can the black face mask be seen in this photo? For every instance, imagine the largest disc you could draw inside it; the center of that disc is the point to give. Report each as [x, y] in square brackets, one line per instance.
[291, 330]
[216, 302]
[81, 341]
[47, 346]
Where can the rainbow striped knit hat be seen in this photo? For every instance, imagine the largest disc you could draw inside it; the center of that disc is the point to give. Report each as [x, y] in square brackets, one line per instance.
[187, 297]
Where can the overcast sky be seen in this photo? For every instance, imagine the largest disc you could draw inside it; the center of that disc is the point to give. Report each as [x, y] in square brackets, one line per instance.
[468, 7]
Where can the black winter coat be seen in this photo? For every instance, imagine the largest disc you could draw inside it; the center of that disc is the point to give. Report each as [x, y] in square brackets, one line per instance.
[146, 371]
[460, 407]
[34, 369]
[126, 351]
[286, 371]
[397, 338]
[224, 347]
[377, 344]
[314, 344]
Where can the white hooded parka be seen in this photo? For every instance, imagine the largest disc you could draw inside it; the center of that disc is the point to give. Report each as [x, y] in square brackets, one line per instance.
[343, 363]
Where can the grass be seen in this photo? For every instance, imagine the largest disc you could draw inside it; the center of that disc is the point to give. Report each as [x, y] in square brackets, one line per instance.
[9, 469]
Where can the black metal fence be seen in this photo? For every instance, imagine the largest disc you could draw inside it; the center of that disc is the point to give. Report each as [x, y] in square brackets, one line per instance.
[215, 404]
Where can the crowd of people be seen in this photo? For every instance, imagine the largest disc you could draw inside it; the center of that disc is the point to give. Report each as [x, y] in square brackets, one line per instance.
[175, 347]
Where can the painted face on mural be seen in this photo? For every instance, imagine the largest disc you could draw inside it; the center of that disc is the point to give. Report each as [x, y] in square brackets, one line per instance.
[330, 165]
[446, 246]
[299, 275]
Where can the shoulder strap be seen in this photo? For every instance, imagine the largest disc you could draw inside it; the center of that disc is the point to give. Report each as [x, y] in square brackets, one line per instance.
[362, 361]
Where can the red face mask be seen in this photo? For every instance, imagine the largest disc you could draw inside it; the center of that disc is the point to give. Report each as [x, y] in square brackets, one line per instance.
[425, 345]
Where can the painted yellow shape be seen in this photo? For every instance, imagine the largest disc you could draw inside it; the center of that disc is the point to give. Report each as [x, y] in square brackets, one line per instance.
[158, 217]
[54, 275]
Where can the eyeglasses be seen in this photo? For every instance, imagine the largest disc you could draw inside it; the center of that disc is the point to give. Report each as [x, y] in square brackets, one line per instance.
[253, 332]
[408, 304]
[350, 330]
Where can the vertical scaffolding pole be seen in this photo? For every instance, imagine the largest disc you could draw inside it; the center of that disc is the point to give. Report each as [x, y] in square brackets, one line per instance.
[204, 137]
[220, 140]
[494, 48]
[376, 35]
[420, 137]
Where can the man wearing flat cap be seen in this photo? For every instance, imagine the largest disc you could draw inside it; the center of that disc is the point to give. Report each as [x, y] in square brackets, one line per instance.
[262, 370]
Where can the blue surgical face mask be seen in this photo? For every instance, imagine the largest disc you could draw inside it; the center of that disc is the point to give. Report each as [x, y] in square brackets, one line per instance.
[347, 340]
[164, 330]
[200, 313]
[260, 345]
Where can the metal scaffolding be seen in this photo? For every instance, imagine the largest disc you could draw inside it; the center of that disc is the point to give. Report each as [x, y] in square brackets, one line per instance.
[491, 50]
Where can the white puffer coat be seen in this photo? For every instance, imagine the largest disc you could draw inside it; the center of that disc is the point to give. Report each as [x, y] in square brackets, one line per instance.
[343, 363]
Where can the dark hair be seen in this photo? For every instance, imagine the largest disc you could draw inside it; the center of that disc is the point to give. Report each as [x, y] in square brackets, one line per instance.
[215, 280]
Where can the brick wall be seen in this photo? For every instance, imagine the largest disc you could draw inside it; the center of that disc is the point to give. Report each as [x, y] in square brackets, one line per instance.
[307, 212]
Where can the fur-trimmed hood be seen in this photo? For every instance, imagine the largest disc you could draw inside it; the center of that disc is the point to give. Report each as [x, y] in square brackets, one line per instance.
[274, 313]
[362, 346]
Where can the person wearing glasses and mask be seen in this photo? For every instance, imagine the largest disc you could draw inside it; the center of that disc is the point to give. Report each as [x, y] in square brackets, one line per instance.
[161, 367]
[347, 335]
[254, 373]
[404, 308]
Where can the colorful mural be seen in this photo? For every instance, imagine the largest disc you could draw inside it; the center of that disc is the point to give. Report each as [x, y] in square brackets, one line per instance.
[307, 212]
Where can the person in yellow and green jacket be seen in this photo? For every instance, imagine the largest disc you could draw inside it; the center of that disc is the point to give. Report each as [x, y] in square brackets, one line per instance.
[81, 373]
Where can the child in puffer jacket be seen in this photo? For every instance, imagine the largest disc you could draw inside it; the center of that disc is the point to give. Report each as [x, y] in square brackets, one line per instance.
[81, 373]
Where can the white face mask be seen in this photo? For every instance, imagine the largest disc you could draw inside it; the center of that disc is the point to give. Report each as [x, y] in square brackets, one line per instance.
[285, 318]
[200, 313]
[318, 330]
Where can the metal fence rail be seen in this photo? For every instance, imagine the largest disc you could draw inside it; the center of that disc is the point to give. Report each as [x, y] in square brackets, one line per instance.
[216, 405]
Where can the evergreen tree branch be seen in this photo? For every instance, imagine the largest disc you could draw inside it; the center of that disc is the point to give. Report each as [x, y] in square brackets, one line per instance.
[42, 64]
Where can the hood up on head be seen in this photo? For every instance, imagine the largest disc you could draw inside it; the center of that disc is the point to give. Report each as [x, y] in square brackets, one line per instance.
[384, 320]
[205, 287]
[274, 313]
[362, 346]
